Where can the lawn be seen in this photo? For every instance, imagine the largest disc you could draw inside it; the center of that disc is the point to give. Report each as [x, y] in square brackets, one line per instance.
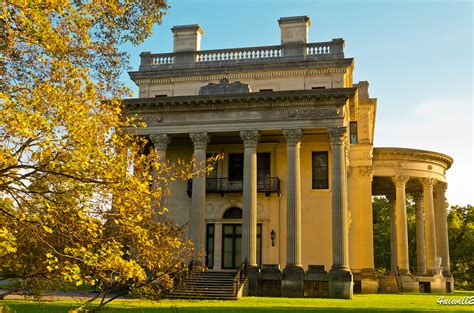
[360, 303]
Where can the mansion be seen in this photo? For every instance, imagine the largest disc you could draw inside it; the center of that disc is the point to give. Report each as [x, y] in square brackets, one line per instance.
[292, 195]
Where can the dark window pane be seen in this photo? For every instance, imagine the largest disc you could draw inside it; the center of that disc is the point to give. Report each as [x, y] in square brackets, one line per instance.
[210, 245]
[233, 213]
[320, 170]
[263, 169]
[212, 174]
[353, 132]
[236, 166]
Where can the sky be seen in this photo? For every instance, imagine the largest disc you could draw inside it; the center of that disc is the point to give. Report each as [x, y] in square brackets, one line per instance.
[416, 55]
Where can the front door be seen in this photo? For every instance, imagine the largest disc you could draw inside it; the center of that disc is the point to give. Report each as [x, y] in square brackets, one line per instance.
[231, 246]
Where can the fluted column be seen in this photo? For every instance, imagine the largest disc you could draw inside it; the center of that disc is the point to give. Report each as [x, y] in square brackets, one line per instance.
[442, 242]
[160, 145]
[430, 230]
[401, 218]
[198, 202]
[340, 246]
[249, 215]
[420, 235]
[293, 198]
[393, 233]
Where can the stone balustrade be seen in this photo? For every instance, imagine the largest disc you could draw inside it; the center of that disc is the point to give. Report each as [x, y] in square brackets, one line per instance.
[320, 50]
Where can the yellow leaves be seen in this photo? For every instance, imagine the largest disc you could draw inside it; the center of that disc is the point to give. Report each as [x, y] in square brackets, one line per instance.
[47, 229]
[7, 242]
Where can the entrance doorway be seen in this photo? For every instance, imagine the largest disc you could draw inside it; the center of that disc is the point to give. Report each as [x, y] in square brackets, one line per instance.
[231, 245]
[232, 239]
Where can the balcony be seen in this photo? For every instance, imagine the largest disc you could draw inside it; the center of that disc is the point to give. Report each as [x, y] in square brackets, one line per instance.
[225, 185]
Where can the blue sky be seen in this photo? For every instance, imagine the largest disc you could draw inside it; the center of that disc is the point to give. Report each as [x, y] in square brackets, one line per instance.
[416, 55]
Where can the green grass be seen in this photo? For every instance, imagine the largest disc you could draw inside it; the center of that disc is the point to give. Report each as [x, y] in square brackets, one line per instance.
[360, 303]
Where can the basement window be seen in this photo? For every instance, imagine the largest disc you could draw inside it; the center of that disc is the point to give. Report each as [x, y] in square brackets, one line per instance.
[160, 96]
[265, 90]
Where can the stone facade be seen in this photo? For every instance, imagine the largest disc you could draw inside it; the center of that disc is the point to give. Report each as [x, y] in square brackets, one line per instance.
[299, 164]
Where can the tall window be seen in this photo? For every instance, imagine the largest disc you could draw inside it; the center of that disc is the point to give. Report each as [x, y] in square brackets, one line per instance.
[236, 167]
[210, 245]
[320, 170]
[353, 132]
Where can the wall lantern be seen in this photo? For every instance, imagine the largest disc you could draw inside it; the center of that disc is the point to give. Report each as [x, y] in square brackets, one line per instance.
[272, 237]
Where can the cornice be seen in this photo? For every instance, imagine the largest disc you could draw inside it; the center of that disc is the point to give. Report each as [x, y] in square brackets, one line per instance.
[390, 153]
[273, 100]
[207, 72]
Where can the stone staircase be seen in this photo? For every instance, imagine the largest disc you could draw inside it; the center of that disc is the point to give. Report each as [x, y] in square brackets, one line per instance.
[207, 285]
[388, 284]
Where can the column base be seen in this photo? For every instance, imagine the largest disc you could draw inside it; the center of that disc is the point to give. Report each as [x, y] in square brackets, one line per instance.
[369, 283]
[292, 283]
[252, 276]
[269, 281]
[408, 283]
[340, 284]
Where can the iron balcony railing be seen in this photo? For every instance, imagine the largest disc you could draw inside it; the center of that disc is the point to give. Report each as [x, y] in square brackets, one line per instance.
[223, 185]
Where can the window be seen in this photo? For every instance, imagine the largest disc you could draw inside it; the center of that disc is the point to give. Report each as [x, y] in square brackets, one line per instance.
[210, 245]
[353, 132]
[213, 173]
[320, 170]
[321, 87]
[263, 169]
[236, 167]
[160, 96]
[233, 212]
[265, 90]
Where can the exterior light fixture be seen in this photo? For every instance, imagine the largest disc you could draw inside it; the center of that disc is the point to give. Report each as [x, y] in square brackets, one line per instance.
[272, 237]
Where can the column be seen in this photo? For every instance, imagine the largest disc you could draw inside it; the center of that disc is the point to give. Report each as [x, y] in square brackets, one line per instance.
[198, 201]
[430, 230]
[160, 145]
[340, 250]
[401, 224]
[393, 234]
[249, 218]
[293, 198]
[420, 235]
[442, 243]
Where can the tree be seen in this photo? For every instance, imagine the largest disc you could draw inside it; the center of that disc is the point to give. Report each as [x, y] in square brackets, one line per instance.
[381, 220]
[74, 209]
[461, 245]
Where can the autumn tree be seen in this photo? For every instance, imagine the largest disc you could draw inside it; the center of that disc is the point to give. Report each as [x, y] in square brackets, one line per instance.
[75, 198]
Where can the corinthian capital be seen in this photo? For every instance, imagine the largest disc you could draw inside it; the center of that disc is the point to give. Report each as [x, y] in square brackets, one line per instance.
[200, 140]
[367, 171]
[250, 137]
[293, 136]
[400, 180]
[337, 135]
[160, 141]
[440, 187]
[427, 182]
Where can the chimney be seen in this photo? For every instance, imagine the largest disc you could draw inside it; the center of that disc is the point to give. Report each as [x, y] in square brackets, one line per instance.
[187, 40]
[294, 35]
[363, 89]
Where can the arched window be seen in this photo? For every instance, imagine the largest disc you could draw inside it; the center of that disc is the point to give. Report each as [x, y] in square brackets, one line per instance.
[233, 212]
